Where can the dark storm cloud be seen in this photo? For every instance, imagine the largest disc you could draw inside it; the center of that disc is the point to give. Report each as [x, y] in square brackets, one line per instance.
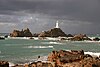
[76, 15]
[78, 9]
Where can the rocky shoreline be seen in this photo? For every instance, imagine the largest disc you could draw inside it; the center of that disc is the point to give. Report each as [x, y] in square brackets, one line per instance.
[62, 58]
[53, 33]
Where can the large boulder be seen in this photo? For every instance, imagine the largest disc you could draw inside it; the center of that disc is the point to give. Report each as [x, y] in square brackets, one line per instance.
[55, 32]
[23, 33]
[27, 33]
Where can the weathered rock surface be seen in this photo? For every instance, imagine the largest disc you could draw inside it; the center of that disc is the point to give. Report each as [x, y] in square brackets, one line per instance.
[37, 64]
[79, 37]
[4, 64]
[69, 35]
[23, 33]
[55, 32]
[64, 58]
[96, 39]
[73, 59]
[36, 35]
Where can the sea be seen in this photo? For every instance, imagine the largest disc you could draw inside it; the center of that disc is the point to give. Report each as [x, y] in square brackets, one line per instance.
[21, 50]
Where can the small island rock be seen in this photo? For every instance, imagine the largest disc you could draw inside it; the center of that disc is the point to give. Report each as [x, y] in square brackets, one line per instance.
[55, 32]
[23, 33]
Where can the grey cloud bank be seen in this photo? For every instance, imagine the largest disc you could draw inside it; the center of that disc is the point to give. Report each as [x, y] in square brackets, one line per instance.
[75, 16]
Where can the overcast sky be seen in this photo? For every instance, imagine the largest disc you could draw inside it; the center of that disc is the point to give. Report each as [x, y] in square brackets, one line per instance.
[74, 16]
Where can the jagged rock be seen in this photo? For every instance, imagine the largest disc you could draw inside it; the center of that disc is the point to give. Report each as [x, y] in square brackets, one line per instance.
[36, 35]
[27, 33]
[62, 57]
[45, 34]
[55, 32]
[73, 58]
[23, 33]
[2, 38]
[69, 35]
[79, 37]
[96, 39]
[4, 64]
[37, 64]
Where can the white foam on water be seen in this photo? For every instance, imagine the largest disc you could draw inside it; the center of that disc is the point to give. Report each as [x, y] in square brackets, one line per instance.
[11, 64]
[50, 38]
[39, 47]
[51, 43]
[93, 53]
[85, 41]
[19, 38]
[93, 41]
[90, 53]
[36, 38]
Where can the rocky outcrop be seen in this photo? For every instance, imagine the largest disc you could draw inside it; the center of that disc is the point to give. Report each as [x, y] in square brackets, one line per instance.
[55, 32]
[2, 38]
[23, 33]
[96, 39]
[36, 35]
[4, 64]
[79, 37]
[41, 64]
[73, 59]
[37, 64]
[64, 58]
[69, 35]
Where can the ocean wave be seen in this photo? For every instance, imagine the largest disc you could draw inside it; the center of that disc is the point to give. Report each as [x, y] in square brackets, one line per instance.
[85, 41]
[93, 53]
[93, 41]
[11, 64]
[51, 43]
[19, 38]
[38, 47]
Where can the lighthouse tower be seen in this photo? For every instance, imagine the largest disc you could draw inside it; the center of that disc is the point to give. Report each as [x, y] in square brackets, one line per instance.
[57, 25]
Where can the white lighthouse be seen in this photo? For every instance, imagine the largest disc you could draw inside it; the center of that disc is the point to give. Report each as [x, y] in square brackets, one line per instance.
[57, 25]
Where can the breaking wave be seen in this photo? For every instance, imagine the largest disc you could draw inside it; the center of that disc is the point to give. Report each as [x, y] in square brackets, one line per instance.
[11, 64]
[51, 43]
[39, 47]
[93, 53]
